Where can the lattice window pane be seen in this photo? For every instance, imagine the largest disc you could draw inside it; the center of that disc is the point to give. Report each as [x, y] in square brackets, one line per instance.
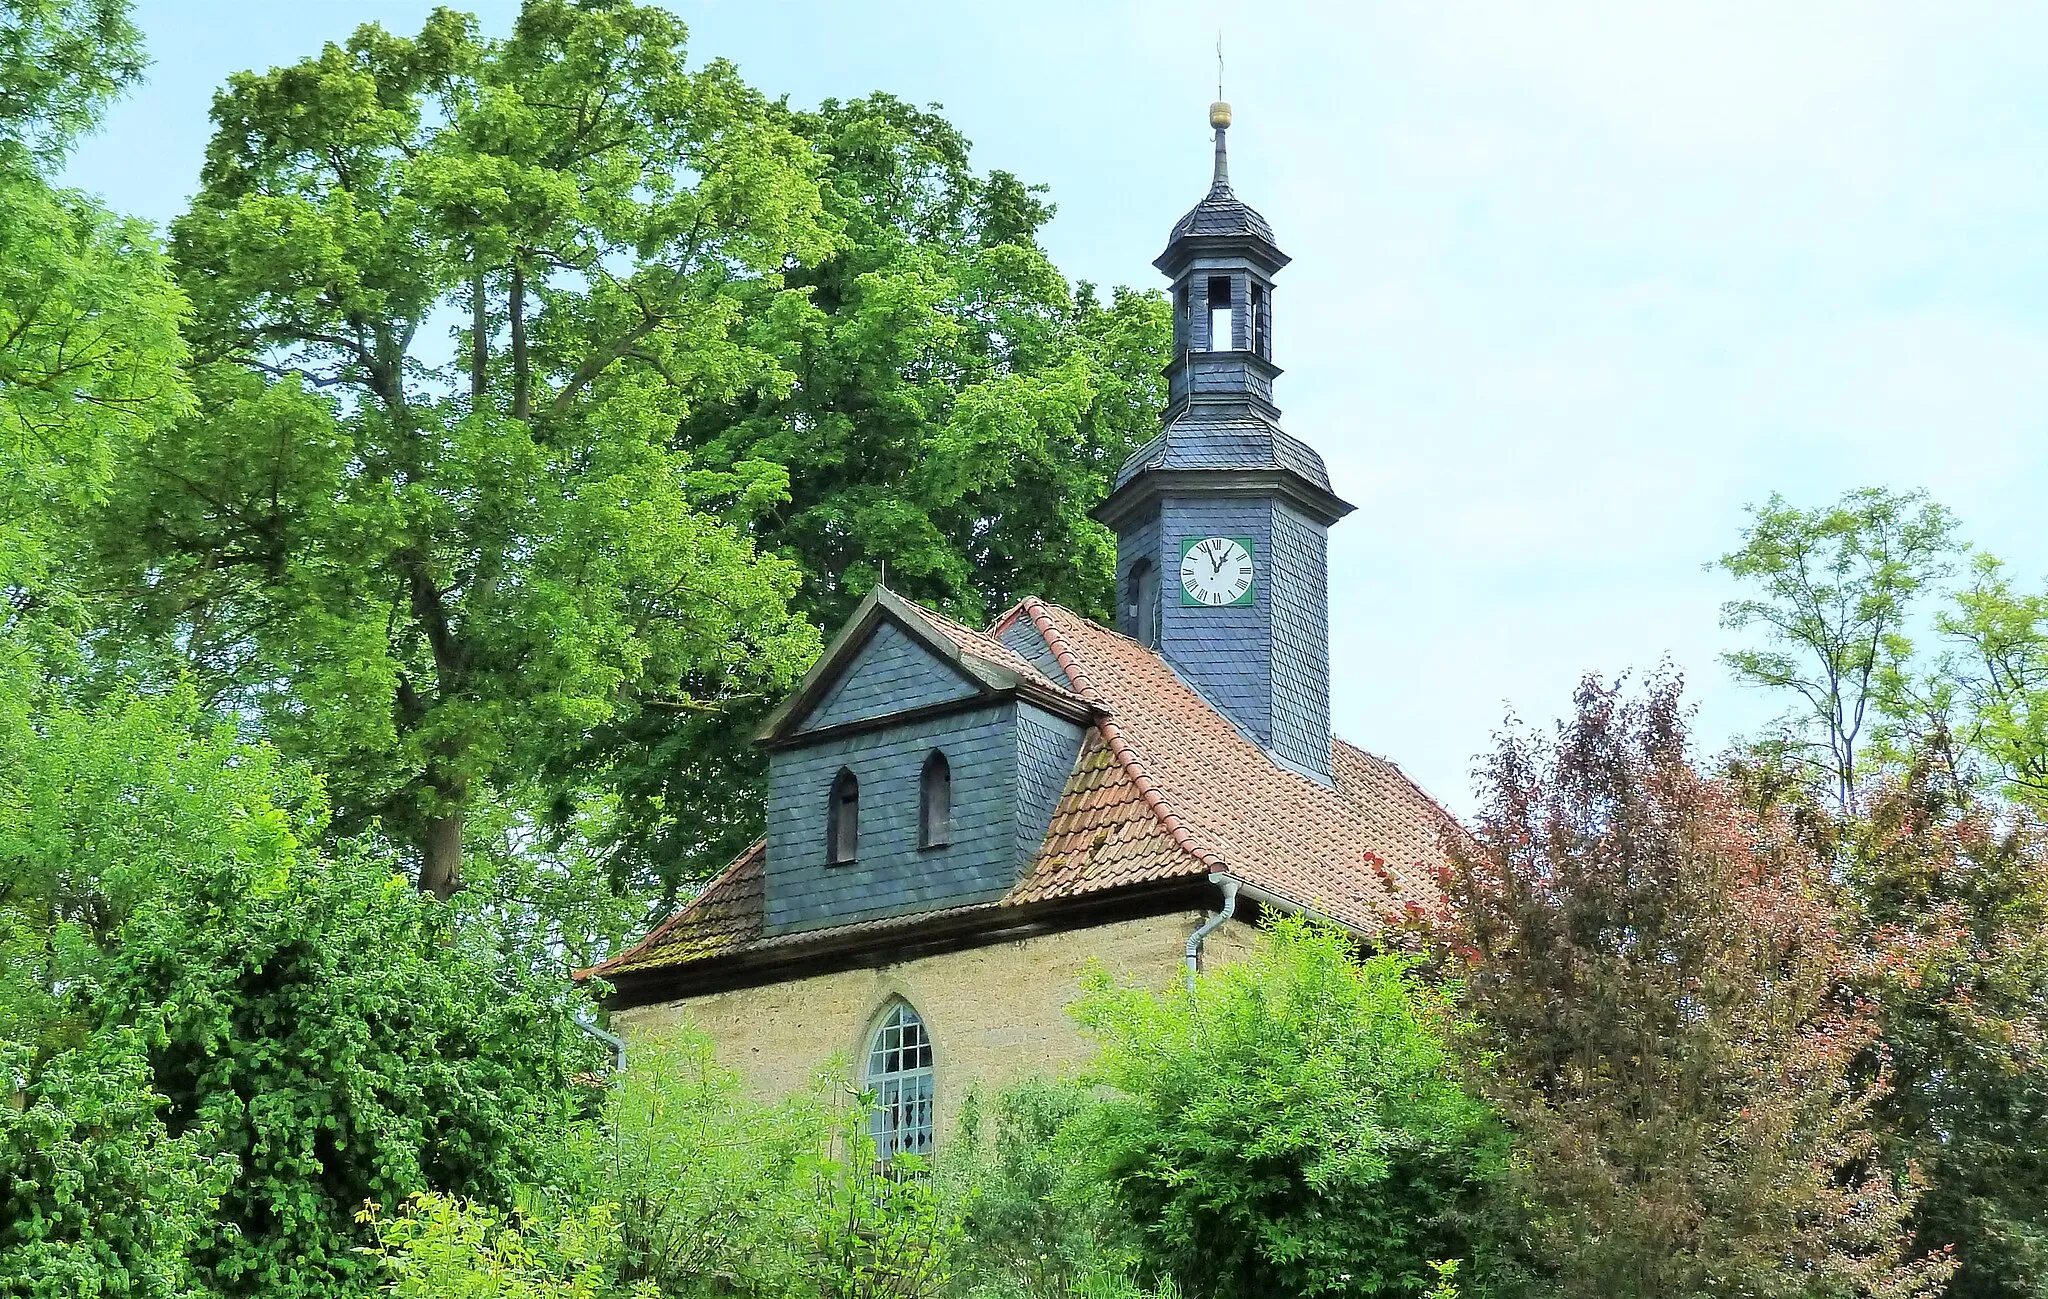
[899, 1074]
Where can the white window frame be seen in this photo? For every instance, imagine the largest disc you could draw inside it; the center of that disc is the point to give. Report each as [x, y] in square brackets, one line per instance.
[900, 1076]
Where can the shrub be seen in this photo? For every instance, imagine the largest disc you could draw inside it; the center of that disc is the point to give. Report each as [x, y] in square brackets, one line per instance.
[1293, 1127]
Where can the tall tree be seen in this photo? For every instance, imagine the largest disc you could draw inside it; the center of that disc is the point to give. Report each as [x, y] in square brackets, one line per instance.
[1659, 987]
[90, 354]
[428, 568]
[1835, 592]
[956, 409]
[1959, 889]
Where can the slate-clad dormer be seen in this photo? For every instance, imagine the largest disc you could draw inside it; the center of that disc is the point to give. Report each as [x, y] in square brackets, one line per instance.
[1222, 520]
[855, 760]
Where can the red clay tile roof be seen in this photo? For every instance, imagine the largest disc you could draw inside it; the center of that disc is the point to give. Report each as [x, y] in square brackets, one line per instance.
[1225, 804]
[1165, 787]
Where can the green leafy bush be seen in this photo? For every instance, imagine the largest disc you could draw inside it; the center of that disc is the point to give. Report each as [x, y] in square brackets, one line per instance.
[1035, 1227]
[442, 1245]
[1294, 1127]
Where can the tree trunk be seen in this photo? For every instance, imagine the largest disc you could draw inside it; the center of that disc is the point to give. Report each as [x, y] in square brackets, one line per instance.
[479, 340]
[441, 847]
[521, 394]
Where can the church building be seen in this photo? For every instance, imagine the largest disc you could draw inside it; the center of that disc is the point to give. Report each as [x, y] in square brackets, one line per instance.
[961, 821]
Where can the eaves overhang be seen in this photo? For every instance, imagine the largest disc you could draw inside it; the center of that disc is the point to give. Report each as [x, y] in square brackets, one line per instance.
[1146, 489]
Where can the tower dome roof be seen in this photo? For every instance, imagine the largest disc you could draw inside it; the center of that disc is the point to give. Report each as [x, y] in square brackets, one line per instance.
[1222, 214]
[1221, 218]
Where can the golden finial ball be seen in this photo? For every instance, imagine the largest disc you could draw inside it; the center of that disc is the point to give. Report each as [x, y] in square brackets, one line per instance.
[1219, 115]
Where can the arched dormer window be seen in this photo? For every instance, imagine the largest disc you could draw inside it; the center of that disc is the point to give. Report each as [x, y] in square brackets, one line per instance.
[842, 819]
[899, 1074]
[935, 802]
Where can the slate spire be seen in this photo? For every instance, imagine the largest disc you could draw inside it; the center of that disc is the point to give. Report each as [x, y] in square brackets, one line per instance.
[1219, 117]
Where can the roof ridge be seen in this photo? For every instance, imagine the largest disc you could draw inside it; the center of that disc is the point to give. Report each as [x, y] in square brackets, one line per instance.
[662, 930]
[1112, 734]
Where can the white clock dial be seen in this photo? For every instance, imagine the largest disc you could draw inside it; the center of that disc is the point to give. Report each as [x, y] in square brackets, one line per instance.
[1216, 571]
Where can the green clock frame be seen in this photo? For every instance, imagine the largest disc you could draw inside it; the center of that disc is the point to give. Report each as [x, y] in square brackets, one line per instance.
[1251, 593]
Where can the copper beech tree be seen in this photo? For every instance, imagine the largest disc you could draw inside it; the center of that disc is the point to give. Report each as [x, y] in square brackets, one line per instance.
[1658, 986]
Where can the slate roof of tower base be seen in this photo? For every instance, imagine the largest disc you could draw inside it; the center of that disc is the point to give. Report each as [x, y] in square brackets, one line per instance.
[1165, 788]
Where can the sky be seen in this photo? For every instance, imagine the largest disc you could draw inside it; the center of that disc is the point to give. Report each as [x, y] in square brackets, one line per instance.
[1573, 283]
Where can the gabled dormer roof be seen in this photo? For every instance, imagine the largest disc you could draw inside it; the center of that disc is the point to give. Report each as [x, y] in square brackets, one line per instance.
[991, 668]
[1165, 789]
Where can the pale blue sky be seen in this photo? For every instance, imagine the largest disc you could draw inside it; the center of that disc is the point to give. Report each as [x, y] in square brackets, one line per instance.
[1572, 282]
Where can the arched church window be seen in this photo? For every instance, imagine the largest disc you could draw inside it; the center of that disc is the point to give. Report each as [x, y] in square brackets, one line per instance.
[935, 802]
[1144, 620]
[842, 819]
[899, 1074]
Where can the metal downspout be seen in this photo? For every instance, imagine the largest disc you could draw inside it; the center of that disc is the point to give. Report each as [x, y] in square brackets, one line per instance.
[1210, 926]
[586, 1019]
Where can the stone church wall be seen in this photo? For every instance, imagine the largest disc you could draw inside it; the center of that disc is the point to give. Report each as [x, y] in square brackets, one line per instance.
[996, 1014]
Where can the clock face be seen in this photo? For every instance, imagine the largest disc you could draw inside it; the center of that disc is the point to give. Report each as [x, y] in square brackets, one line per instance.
[1216, 571]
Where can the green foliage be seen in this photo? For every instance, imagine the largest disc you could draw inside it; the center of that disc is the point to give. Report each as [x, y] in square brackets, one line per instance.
[956, 408]
[884, 1231]
[431, 574]
[1662, 998]
[1983, 705]
[1957, 892]
[712, 1188]
[685, 1187]
[308, 1019]
[444, 1247]
[96, 1197]
[90, 354]
[1836, 590]
[954, 411]
[1294, 1128]
[1036, 1227]
[1952, 885]
[60, 62]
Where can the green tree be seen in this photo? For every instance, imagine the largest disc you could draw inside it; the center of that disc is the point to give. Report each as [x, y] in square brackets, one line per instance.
[61, 61]
[1295, 1127]
[308, 1020]
[90, 354]
[1953, 891]
[1835, 592]
[1988, 696]
[429, 569]
[1037, 1226]
[956, 409]
[1661, 990]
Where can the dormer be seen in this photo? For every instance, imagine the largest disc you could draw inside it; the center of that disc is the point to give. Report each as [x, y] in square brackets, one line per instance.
[914, 768]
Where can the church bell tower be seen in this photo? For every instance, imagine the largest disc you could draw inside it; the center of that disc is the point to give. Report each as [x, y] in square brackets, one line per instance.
[1223, 520]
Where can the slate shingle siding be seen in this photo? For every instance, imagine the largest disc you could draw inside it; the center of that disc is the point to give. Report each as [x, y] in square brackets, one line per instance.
[1046, 749]
[1301, 641]
[1225, 653]
[890, 874]
[890, 675]
[1139, 540]
[1020, 637]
